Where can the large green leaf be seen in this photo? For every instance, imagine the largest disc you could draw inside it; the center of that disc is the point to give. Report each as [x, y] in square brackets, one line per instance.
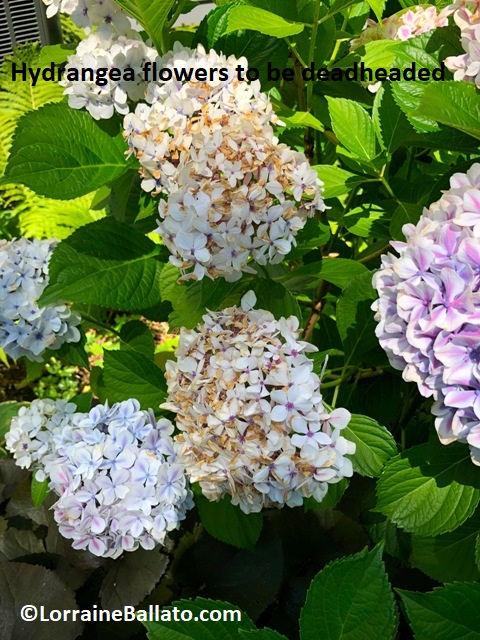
[447, 613]
[228, 523]
[243, 17]
[224, 629]
[451, 556]
[64, 153]
[378, 7]
[355, 322]
[350, 599]
[455, 104]
[151, 14]
[274, 297]
[391, 124]
[105, 263]
[336, 181]
[353, 127]
[129, 374]
[375, 445]
[429, 490]
[337, 271]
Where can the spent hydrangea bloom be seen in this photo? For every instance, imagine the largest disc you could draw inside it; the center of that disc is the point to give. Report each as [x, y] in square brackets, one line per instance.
[119, 483]
[102, 96]
[428, 310]
[25, 328]
[250, 413]
[467, 66]
[402, 26]
[32, 436]
[232, 191]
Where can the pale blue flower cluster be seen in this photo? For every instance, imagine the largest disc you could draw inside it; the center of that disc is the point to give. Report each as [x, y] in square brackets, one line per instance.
[25, 328]
[428, 311]
[119, 483]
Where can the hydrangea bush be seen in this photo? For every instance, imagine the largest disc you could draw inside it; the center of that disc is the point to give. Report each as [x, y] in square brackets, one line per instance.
[272, 316]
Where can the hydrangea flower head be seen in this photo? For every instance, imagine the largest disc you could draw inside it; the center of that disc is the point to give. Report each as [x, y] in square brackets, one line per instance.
[119, 483]
[106, 16]
[402, 26]
[25, 328]
[250, 411]
[428, 310]
[467, 66]
[232, 191]
[33, 433]
[99, 51]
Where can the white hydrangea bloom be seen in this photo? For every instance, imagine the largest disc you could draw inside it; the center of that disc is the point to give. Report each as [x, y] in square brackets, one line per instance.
[33, 432]
[119, 481]
[106, 16]
[98, 51]
[250, 412]
[25, 328]
[467, 66]
[233, 192]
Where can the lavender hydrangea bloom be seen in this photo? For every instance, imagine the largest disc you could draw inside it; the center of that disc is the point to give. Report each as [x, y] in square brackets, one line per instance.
[250, 413]
[25, 328]
[118, 479]
[428, 310]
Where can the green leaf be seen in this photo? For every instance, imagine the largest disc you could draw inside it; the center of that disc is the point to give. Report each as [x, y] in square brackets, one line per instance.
[105, 263]
[337, 271]
[151, 14]
[446, 613]
[378, 7]
[137, 336]
[64, 153]
[364, 221]
[375, 445]
[391, 124]
[454, 104]
[56, 53]
[313, 235]
[337, 181]
[451, 556]
[83, 401]
[129, 374]
[297, 119]
[261, 634]
[190, 303]
[355, 322]
[274, 297]
[353, 127]
[39, 491]
[408, 96]
[8, 410]
[244, 17]
[406, 212]
[198, 630]
[228, 523]
[350, 599]
[429, 495]
[132, 577]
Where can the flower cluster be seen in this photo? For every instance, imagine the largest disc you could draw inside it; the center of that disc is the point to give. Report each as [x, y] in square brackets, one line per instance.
[467, 66]
[232, 191]
[25, 328]
[429, 308]
[104, 15]
[102, 96]
[119, 483]
[250, 412]
[33, 433]
[402, 26]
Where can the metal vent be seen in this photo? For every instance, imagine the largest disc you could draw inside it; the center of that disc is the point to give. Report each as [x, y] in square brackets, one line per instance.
[23, 21]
